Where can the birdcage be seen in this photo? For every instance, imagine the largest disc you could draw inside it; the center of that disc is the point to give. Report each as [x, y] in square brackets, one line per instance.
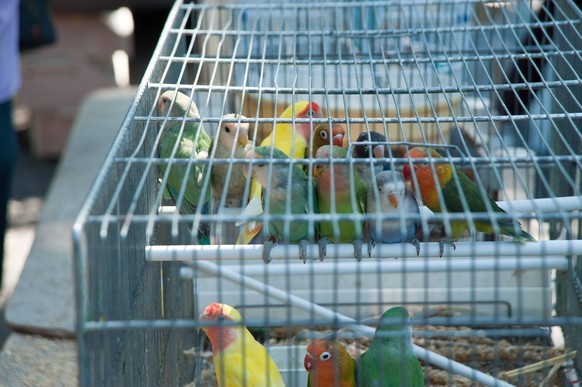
[494, 86]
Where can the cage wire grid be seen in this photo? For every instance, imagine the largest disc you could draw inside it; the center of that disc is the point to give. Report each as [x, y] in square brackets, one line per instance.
[495, 86]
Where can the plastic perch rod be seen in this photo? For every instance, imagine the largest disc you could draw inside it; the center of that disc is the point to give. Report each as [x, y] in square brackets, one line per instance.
[300, 303]
[553, 248]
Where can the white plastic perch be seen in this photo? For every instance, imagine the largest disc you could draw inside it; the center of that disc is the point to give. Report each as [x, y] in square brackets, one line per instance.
[298, 302]
[405, 266]
[346, 251]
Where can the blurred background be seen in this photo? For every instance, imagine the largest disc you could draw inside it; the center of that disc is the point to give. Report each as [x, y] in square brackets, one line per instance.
[100, 44]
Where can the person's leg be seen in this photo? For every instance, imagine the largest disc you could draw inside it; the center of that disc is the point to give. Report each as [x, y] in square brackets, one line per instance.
[8, 153]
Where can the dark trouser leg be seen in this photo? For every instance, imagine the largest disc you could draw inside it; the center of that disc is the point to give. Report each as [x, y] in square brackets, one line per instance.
[8, 152]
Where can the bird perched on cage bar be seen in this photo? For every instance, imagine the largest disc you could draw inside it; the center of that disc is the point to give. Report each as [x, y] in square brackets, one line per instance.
[391, 196]
[328, 363]
[239, 360]
[390, 361]
[455, 192]
[285, 192]
[370, 145]
[293, 140]
[339, 192]
[185, 140]
[231, 141]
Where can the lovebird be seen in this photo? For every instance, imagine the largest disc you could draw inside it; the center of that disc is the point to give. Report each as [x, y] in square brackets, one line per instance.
[323, 134]
[185, 140]
[390, 361]
[329, 364]
[239, 360]
[376, 150]
[293, 141]
[231, 141]
[338, 200]
[452, 198]
[282, 196]
[391, 196]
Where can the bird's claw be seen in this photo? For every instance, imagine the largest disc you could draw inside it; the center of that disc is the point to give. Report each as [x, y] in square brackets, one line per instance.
[267, 247]
[416, 244]
[371, 245]
[442, 246]
[358, 249]
[322, 243]
[303, 250]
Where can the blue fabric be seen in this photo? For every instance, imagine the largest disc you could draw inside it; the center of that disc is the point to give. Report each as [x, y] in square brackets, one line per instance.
[8, 153]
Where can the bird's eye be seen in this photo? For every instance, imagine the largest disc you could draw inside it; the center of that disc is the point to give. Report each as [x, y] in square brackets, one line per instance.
[366, 148]
[380, 188]
[261, 165]
[323, 135]
[227, 129]
[309, 113]
[325, 356]
[220, 318]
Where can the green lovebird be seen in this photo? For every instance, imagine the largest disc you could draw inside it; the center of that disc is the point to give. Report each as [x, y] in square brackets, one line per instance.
[185, 140]
[390, 361]
[284, 192]
[476, 203]
[346, 182]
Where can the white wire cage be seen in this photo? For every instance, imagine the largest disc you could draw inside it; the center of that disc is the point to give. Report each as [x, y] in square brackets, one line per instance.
[496, 85]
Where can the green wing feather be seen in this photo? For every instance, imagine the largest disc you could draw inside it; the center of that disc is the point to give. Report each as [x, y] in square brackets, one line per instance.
[477, 204]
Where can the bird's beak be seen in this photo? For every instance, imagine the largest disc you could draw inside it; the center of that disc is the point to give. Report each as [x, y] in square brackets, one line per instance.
[202, 317]
[308, 362]
[243, 136]
[338, 134]
[393, 200]
[378, 151]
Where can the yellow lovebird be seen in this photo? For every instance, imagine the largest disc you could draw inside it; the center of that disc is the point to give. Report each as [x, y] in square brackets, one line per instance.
[239, 360]
[293, 140]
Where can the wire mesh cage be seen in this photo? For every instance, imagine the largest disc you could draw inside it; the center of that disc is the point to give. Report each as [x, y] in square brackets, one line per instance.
[493, 86]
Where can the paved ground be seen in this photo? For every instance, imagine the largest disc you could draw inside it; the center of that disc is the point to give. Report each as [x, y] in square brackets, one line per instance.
[32, 179]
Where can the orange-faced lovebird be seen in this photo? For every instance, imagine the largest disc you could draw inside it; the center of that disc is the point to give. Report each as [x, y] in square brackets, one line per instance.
[390, 361]
[323, 134]
[337, 195]
[329, 364]
[239, 360]
[391, 196]
[453, 202]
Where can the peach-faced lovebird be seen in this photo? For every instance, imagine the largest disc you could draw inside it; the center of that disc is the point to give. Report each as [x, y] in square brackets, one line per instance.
[329, 364]
[340, 190]
[185, 140]
[474, 198]
[285, 192]
[372, 147]
[323, 134]
[231, 141]
[239, 360]
[293, 141]
[390, 196]
[390, 361]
